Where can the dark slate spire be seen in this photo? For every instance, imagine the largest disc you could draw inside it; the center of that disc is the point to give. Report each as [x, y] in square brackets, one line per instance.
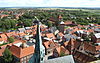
[39, 48]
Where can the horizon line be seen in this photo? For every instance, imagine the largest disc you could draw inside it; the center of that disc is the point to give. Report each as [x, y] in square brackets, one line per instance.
[44, 7]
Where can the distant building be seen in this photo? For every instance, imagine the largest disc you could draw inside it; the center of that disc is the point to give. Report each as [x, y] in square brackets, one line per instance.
[66, 23]
[3, 15]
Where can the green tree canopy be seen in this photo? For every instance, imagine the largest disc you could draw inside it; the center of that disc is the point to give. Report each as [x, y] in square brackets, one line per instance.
[11, 39]
[7, 56]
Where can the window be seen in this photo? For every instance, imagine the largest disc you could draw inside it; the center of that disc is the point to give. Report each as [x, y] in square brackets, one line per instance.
[49, 45]
[24, 62]
[24, 58]
[27, 57]
[28, 60]
[21, 59]
[48, 51]
[0, 37]
[41, 59]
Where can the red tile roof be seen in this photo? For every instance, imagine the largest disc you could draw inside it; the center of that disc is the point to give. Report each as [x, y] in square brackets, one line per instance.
[1, 51]
[61, 34]
[21, 34]
[19, 52]
[10, 34]
[59, 16]
[83, 58]
[51, 35]
[97, 47]
[49, 44]
[62, 49]
[28, 31]
[3, 37]
[88, 47]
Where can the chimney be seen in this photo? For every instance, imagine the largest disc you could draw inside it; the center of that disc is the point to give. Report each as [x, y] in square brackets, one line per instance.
[23, 45]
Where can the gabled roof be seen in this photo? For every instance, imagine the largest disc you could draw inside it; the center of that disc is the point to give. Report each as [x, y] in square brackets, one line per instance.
[88, 47]
[19, 52]
[49, 44]
[61, 34]
[3, 37]
[66, 43]
[59, 16]
[82, 58]
[69, 36]
[11, 33]
[51, 35]
[21, 34]
[28, 30]
[62, 49]
[61, 22]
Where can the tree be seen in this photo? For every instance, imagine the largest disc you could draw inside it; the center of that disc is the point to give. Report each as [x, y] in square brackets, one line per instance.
[49, 24]
[63, 54]
[7, 56]
[8, 24]
[11, 39]
[27, 22]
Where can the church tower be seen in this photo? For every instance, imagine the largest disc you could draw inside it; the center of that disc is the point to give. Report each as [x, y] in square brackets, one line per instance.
[38, 56]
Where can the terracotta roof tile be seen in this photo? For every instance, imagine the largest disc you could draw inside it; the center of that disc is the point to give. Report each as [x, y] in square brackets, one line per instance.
[28, 31]
[62, 49]
[3, 37]
[10, 34]
[21, 34]
[1, 51]
[49, 44]
[97, 47]
[19, 52]
[51, 35]
[90, 48]
[61, 34]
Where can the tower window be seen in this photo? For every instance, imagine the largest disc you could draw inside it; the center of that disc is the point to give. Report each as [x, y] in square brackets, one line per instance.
[49, 45]
[41, 59]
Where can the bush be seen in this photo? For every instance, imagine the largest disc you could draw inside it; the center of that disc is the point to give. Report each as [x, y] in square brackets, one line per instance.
[11, 39]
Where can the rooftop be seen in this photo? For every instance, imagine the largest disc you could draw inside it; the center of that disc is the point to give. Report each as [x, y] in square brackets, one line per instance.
[97, 35]
[21, 52]
[64, 59]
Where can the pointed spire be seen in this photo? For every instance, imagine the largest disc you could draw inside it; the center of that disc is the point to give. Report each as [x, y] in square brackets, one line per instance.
[39, 54]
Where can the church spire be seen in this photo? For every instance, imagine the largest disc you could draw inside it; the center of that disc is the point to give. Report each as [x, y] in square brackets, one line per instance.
[39, 54]
[39, 48]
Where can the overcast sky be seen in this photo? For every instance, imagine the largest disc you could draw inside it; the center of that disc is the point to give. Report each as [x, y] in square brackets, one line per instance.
[49, 3]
